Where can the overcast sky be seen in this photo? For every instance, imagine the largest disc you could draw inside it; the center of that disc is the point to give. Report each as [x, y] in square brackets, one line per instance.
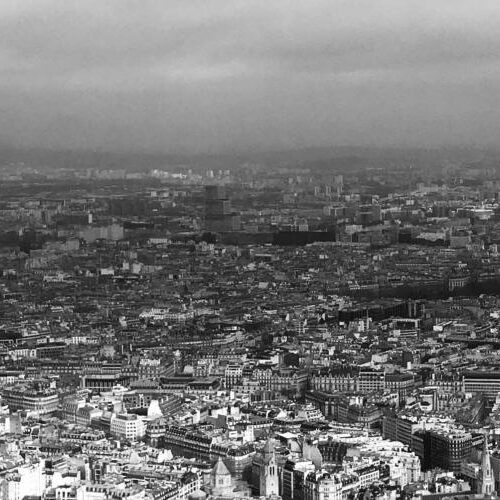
[216, 75]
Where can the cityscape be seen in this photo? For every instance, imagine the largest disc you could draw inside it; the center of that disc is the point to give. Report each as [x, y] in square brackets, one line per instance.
[205, 302]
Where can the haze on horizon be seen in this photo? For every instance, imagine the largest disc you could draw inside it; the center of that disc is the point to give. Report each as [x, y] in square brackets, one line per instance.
[218, 75]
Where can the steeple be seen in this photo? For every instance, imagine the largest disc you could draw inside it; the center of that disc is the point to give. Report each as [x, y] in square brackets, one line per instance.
[486, 483]
[221, 479]
[268, 449]
[269, 477]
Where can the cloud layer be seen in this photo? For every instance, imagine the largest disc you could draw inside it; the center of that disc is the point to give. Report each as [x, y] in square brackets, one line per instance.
[211, 75]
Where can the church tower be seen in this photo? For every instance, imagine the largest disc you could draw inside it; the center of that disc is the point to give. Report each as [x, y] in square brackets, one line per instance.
[221, 480]
[486, 482]
[269, 479]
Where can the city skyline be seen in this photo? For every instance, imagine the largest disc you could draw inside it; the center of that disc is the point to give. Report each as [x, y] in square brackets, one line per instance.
[249, 250]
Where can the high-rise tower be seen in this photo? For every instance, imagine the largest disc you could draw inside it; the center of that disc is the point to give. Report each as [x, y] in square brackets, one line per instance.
[219, 215]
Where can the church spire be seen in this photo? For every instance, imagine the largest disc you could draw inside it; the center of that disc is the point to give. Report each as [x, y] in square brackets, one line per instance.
[486, 483]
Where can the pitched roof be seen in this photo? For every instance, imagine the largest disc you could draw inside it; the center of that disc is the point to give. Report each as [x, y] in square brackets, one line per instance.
[220, 468]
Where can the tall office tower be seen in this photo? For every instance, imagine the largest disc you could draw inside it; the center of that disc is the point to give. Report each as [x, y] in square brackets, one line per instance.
[219, 215]
[338, 184]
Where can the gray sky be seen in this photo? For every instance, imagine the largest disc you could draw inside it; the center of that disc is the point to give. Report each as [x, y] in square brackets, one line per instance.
[214, 75]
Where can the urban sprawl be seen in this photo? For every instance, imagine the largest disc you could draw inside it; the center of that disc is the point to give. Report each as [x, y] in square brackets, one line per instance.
[308, 330]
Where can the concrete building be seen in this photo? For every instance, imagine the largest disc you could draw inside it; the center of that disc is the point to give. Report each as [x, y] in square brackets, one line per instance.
[125, 426]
